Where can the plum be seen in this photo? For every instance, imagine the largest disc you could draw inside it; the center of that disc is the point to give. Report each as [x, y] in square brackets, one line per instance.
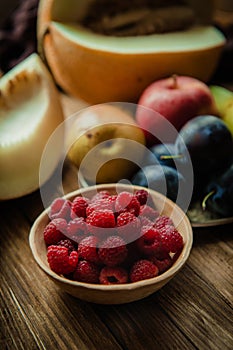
[219, 194]
[208, 142]
[163, 154]
[161, 178]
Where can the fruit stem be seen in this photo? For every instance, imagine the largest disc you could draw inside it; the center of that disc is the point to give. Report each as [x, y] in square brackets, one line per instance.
[203, 204]
[175, 84]
[178, 156]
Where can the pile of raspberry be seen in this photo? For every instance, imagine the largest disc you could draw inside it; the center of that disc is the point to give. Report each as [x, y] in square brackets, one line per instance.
[110, 238]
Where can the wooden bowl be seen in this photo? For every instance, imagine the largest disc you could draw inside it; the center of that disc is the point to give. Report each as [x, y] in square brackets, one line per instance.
[119, 293]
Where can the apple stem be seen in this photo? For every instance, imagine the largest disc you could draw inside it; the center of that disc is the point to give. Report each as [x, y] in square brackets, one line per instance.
[175, 84]
[203, 204]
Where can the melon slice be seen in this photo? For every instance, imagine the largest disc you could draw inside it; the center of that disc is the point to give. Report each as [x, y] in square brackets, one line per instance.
[100, 68]
[30, 110]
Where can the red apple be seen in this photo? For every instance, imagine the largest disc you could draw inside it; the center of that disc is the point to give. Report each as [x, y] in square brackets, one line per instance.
[178, 99]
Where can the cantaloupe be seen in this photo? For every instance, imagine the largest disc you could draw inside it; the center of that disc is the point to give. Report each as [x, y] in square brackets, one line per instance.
[100, 68]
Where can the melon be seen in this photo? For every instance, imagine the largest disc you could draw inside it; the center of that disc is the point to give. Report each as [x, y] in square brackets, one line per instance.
[98, 67]
[30, 111]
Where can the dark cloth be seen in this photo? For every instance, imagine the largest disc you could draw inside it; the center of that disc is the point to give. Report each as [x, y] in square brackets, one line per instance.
[18, 34]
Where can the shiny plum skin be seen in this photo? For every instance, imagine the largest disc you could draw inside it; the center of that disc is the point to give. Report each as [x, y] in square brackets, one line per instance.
[209, 143]
[157, 152]
[221, 199]
[163, 179]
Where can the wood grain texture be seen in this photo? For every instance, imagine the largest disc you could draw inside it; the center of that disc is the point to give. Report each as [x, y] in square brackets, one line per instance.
[193, 311]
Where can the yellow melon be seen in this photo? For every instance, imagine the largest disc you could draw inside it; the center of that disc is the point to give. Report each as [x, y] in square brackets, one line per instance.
[100, 68]
[30, 111]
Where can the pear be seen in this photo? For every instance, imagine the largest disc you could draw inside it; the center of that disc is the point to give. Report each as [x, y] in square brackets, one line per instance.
[105, 143]
[224, 102]
[30, 111]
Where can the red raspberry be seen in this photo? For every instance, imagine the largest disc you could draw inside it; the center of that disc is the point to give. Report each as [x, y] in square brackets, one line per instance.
[68, 244]
[163, 220]
[176, 255]
[142, 196]
[88, 249]
[143, 269]
[113, 251]
[101, 223]
[134, 206]
[133, 255]
[76, 229]
[60, 261]
[128, 226]
[100, 204]
[126, 201]
[112, 198]
[125, 218]
[149, 212]
[55, 231]
[162, 264]
[150, 241]
[100, 195]
[60, 208]
[101, 218]
[146, 221]
[87, 272]
[172, 241]
[113, 275]
[78, 207]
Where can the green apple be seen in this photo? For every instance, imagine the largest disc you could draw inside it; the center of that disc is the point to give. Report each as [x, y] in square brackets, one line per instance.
[221, 97]
[105, 143]
[224, 103]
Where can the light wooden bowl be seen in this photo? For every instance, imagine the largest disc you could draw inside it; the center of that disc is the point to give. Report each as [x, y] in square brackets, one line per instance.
[121, 293]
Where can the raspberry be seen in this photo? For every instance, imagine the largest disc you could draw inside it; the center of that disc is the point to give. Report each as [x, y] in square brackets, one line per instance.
[100, 204]
[134, 206]
[162, 264]
[113, 251]
[87, 271]
[113, 275]
[60, 261]
[146, 221]
[125, 218]
[172, 241]
[78, 207]
[128, 226]
[149, 212]
[60, 208]
[176, 255]
[150, 241]
[68, 244]
[133, 255]
[76, 229]
[100, 195]
[112, 198]
[143, 269]
[88, 249]
[55, 231]
[142, 196]
[126, 201]
[163, 220]
[101, 218]
[101, 223]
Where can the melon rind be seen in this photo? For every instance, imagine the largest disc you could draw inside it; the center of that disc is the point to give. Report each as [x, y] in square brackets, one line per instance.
[100, 68]
[30, 111]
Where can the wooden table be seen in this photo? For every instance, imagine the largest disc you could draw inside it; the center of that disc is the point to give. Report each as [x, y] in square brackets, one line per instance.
[193, 311]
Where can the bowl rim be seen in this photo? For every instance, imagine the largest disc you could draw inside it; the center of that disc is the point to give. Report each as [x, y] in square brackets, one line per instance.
[114, 287]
